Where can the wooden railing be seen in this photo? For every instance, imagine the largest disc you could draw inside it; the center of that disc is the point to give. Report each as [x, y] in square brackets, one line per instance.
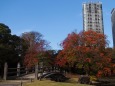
[13, 73]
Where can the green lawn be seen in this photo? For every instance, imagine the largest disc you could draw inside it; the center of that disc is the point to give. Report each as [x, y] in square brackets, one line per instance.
[71, 82]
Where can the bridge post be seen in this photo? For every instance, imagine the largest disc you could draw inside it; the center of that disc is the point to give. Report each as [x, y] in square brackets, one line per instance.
[36, 71]
[5, 71]
[18, 69]
[26, 70]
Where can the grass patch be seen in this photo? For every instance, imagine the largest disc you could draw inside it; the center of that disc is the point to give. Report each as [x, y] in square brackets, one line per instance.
[71, 82]
[93, 78]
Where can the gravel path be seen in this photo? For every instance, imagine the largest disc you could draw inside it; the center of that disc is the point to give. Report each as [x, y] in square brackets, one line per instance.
[9, 84]
[25, 78]
[29, 76]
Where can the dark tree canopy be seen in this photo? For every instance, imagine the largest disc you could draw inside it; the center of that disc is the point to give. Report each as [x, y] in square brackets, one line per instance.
[4, 29]
[9, 47]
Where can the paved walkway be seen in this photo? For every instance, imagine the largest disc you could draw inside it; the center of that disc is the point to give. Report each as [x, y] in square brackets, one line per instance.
[23, 79]
[29, 76]
[9, 85]
[14, 82]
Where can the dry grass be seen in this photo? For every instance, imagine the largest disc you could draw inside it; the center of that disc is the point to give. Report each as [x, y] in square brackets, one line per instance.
[71, 82]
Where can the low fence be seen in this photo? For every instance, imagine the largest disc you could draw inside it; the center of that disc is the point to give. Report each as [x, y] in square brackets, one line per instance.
[13, 73]
[18, 72]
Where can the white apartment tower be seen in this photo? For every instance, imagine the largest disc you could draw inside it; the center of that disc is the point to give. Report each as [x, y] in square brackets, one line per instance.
[93, 17]
[113, 25]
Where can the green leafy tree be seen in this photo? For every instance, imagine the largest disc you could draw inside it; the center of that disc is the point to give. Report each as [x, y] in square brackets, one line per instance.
[9, 47]
[49, 58]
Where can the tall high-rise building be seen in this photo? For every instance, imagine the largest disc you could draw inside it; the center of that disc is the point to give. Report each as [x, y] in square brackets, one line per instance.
[93, 17]
[113, 25]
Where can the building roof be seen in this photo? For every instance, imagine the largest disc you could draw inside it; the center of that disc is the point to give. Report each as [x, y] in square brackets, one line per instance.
[91, 2]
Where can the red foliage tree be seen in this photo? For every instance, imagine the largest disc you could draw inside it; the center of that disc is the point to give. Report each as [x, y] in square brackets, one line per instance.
[35, 46]
[87, 49]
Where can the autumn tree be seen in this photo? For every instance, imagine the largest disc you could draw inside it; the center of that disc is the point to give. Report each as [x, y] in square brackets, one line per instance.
[35, 45]
[47, 59]
[113, 53]
[86, 50]
[50, 56]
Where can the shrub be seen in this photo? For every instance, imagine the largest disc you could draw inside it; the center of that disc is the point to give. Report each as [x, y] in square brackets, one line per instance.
[84, 79]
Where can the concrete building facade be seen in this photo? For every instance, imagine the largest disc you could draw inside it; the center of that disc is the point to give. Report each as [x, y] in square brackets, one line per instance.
[113, 25]
[93, 17]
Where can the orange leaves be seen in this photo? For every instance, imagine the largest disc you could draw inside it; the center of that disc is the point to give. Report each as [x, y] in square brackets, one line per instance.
[88, 49]
[104, 72]
[71, 41]
[88, 60]
[101, 54]
[30, 59]
[94, 39]
[99, 65]
[113, 66]
[100, 73]
[35, 45]
[107, 71]
[82, 44]
[62, 62]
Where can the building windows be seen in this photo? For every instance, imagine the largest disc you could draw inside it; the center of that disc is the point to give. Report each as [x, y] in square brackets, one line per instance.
[93, 16]
[113, 25]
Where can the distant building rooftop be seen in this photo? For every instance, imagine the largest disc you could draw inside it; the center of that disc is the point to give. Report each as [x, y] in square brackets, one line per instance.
[92, 2]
